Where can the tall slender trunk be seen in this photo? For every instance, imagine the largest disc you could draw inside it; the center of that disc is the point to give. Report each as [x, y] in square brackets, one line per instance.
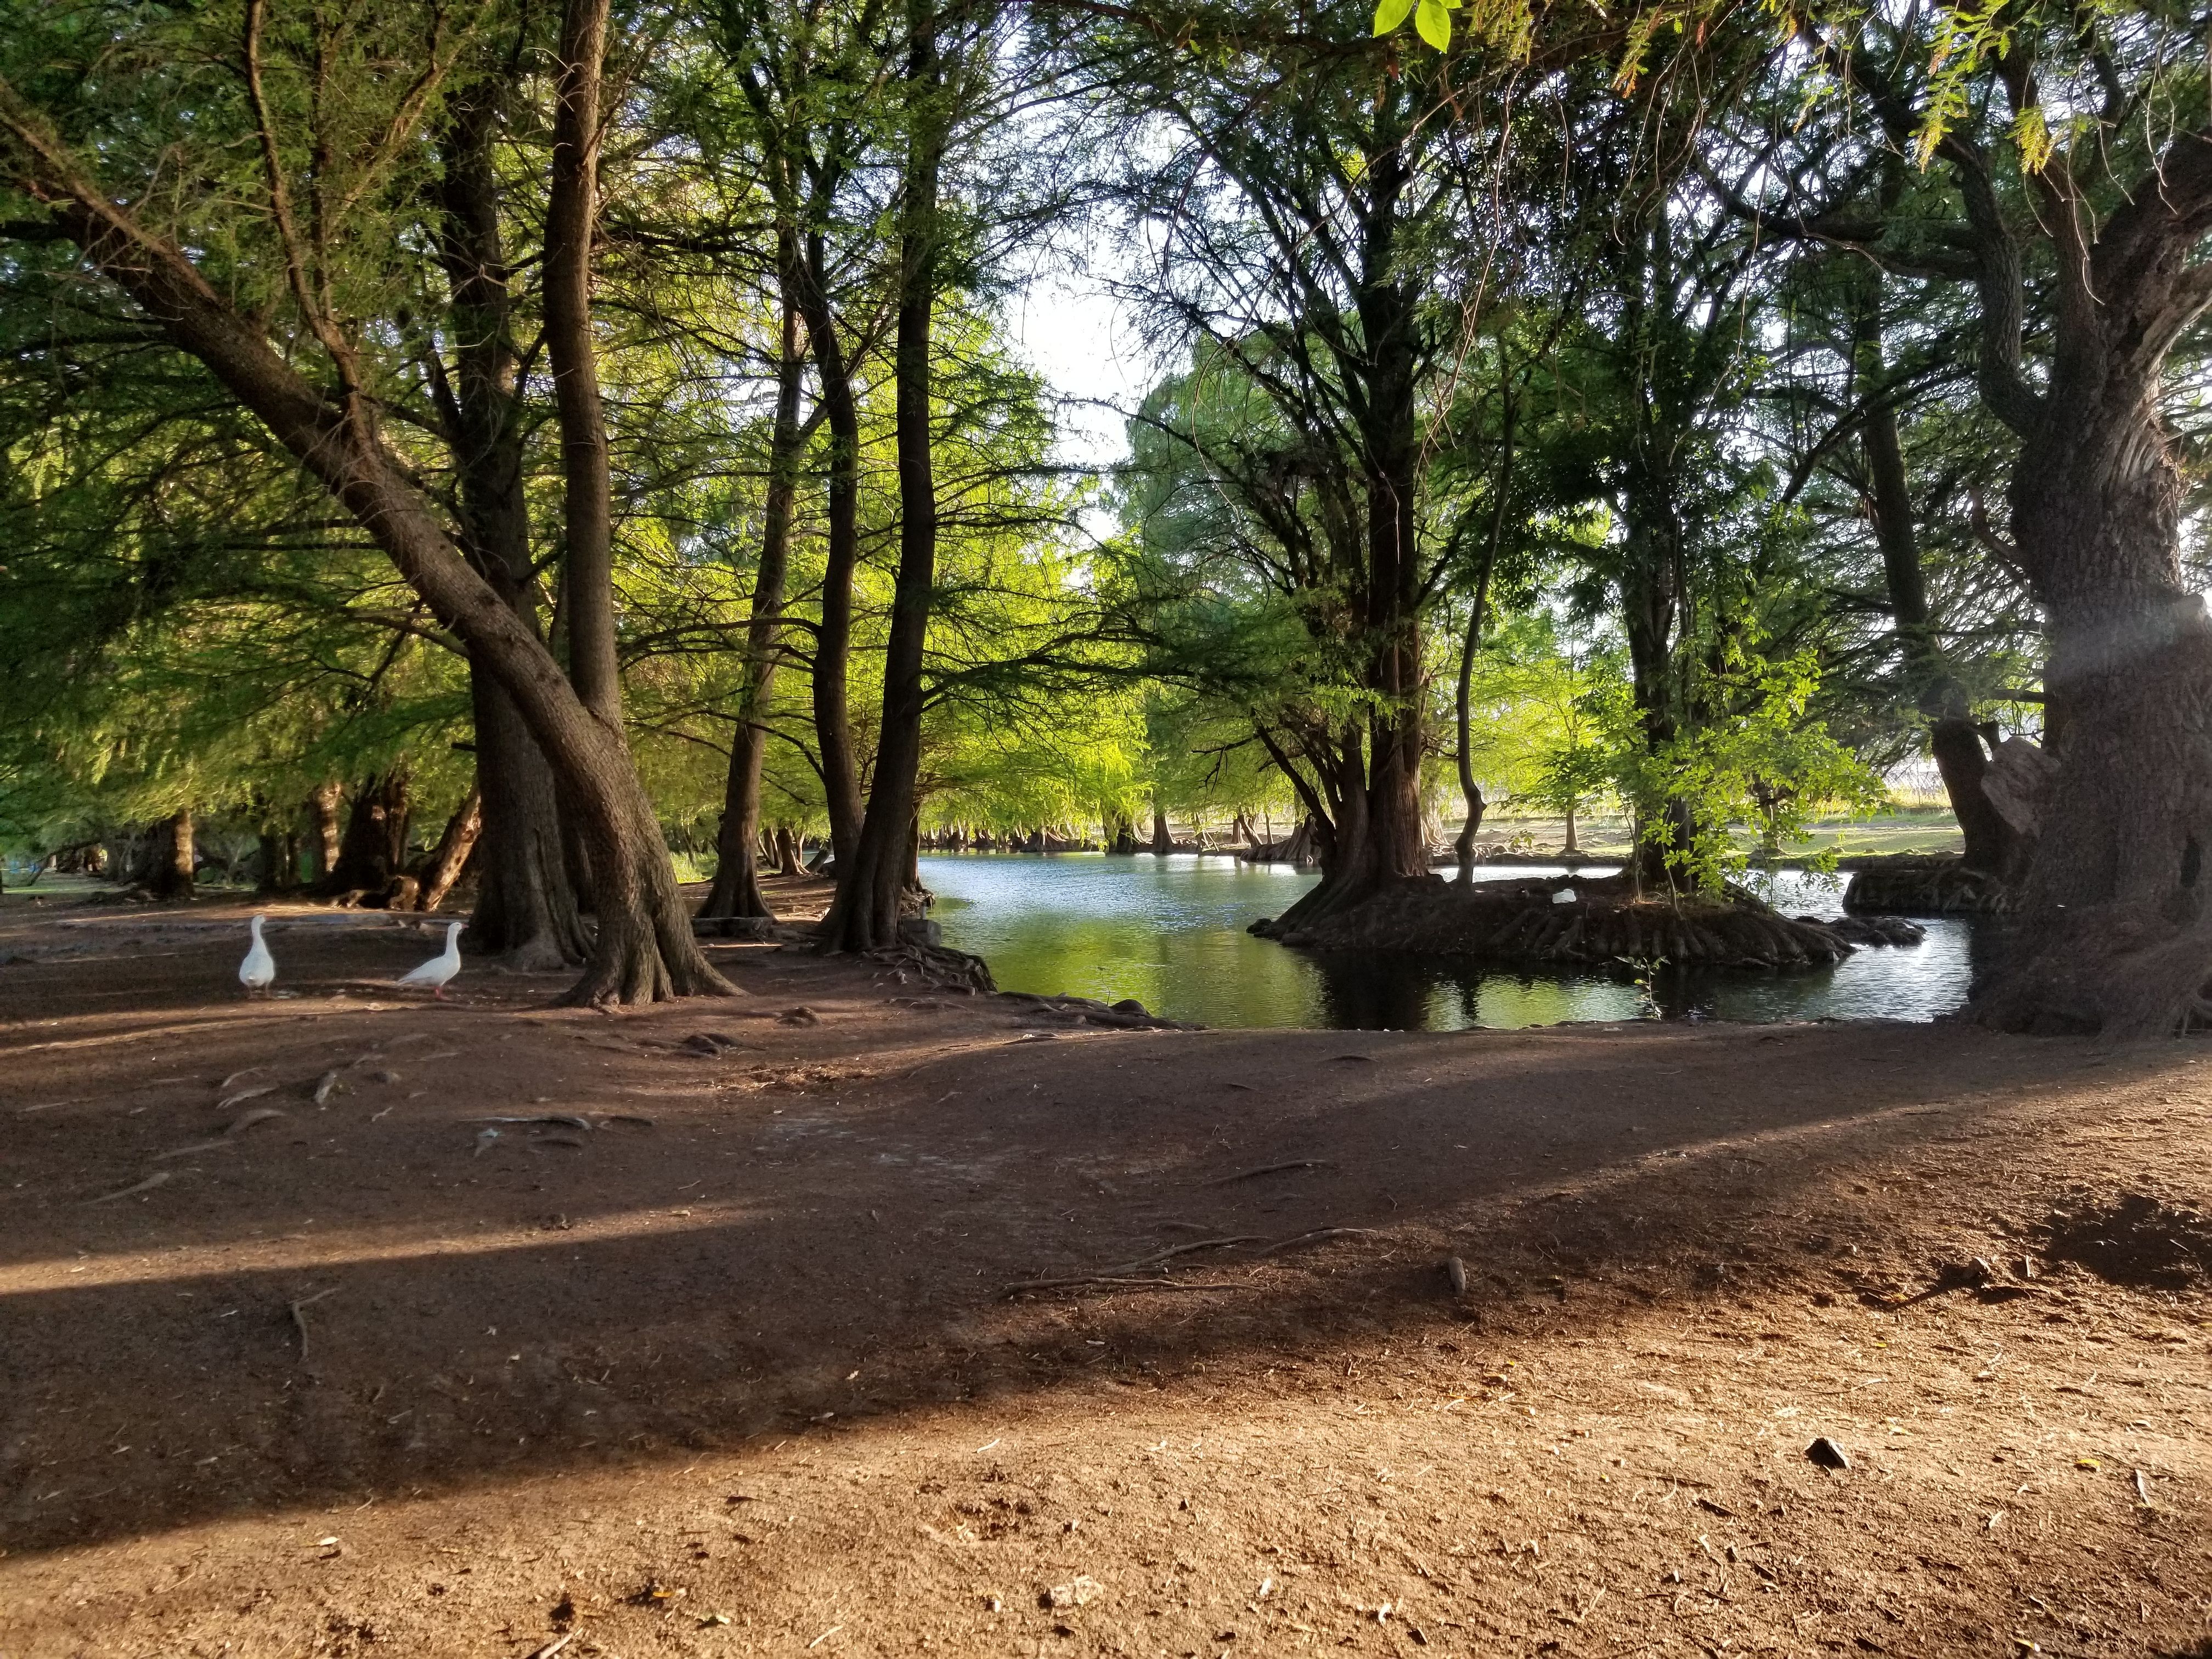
[833, 643]
[1471, 791]
[526, 912]
[736, 890]
[588, 502]
[865, 914]
[1937, 693]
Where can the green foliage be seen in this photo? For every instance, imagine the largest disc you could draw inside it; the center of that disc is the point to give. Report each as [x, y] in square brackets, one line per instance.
[1760, 763]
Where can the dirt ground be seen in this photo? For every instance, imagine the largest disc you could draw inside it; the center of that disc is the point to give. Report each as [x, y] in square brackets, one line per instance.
[721, 1356]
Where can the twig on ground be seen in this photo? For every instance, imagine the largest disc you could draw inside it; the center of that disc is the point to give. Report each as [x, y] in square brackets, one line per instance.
[159, 1178]
[1124, 1270]
[553, 1646]
[1135, 1284]
[1274, 1169]
[300, 1319]
[1316, 1235]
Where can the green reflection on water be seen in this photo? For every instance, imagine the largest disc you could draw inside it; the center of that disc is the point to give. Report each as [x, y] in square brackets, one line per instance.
[1170, 933]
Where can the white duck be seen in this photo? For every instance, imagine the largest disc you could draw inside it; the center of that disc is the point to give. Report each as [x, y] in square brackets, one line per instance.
[439, 972]
[259, 971]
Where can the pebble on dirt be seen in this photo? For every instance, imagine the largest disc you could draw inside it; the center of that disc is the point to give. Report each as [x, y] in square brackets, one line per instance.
[1827, 1454]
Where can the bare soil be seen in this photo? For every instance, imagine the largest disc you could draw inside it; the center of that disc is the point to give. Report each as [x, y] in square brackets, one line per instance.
[731, 1363]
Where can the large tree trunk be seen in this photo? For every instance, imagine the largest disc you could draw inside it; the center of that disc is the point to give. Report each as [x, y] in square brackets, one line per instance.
[865, 914]
[526, 913]
[1163, 837]
[788, 859]
[645, 949]
[2112, 932]
[1375, 835]
[833, 641]
[588, 500]
[736, 892]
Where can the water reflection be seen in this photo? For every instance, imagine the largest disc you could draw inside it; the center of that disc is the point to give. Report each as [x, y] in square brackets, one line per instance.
[1170, 932]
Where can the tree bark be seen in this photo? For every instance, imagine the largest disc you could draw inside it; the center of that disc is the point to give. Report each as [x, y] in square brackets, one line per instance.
[2112, 932]
[323, 820]
[175, 860]
[865, 914]
[454, 847]
[644, 951]
[1163, 837]
[1375, 835]
[374, 849]
[587, 501]
[833, 642]
[1953, 739]
[790, 861]
[526, 913]
[736, 890]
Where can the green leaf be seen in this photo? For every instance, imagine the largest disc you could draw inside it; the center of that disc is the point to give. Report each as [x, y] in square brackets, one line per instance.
[1433, 23]
[1390, 14]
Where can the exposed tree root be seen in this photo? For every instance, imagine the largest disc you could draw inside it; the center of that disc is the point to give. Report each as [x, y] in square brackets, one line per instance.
[2122, 972]
[1523, 921]
[1920, 885]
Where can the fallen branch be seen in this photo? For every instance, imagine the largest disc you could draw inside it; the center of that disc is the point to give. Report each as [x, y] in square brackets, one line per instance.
[1316, 1235]
[1142, 1283]
[161, 1178]
[1274, 1169]
[1124, 1270]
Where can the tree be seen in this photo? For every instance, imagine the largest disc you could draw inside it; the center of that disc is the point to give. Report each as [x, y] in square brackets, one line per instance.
[644, 949]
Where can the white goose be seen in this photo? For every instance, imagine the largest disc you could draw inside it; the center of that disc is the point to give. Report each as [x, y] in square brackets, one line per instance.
[259, 971]
[439, 972]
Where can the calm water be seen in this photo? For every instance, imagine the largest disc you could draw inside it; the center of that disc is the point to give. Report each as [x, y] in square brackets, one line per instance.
[1170, 932]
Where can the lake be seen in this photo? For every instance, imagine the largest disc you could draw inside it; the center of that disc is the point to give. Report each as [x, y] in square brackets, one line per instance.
[1170, 932]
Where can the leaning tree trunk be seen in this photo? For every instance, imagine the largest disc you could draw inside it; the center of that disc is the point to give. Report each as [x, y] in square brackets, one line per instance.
[865, 914]
[454, 849]
[1953, 739]
[645, 949]
[526, 912]
[736, 892]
